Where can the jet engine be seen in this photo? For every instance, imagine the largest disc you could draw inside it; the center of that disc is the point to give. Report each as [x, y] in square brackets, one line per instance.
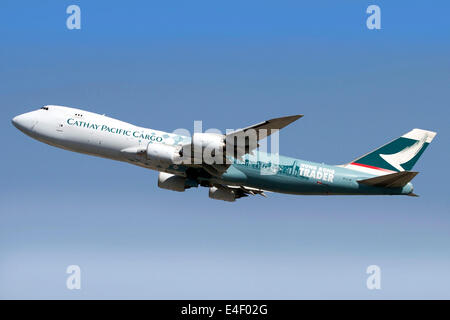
[210, 140]
[163, 154]
[200, 141]
[171, 182]
[222, 193]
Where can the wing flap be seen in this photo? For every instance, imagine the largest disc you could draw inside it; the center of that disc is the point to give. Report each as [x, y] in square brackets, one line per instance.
[245, 191]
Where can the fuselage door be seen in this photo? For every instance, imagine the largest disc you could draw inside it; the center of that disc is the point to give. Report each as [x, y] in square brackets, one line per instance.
[60, 126]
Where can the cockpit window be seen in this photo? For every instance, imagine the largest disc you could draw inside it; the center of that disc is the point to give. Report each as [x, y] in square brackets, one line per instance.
[44, 108]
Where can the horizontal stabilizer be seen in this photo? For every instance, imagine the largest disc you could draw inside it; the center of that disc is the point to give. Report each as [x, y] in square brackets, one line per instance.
[393, 180]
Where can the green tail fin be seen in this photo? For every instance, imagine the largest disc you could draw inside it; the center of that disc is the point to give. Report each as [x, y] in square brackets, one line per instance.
[398, 155]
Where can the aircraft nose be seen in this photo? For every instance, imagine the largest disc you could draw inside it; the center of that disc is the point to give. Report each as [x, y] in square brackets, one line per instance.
[24, 122]
[15, 121]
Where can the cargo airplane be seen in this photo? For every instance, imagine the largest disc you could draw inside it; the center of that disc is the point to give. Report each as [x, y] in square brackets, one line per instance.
[244, 171]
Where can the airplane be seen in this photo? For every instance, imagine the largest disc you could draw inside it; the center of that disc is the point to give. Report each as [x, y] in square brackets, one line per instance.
[247, 171]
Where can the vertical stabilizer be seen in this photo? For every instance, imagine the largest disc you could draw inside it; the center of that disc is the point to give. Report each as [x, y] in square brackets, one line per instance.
[398, 155]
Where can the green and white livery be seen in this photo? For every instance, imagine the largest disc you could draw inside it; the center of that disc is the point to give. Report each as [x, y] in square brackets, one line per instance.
[238, 169]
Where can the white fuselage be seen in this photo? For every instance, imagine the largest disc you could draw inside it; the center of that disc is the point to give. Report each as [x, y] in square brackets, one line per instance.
[91, 133]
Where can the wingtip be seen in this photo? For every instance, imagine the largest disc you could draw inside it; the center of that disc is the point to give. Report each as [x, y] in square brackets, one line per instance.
[291, 119]
[294, 117]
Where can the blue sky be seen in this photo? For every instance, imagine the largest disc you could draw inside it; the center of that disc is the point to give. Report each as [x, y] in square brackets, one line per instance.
[230, 64]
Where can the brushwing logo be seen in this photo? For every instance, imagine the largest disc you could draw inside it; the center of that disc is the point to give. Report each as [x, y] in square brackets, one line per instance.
[405, 155]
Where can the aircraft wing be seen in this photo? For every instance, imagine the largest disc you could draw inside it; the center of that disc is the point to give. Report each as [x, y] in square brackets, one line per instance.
[241, 191]
[246, 140]
[249, 191]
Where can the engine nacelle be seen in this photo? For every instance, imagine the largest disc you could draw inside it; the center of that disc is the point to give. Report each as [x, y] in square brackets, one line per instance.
[222, 193]
[171, 182]
[210, 140]
[214, 142]
[162, 154]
